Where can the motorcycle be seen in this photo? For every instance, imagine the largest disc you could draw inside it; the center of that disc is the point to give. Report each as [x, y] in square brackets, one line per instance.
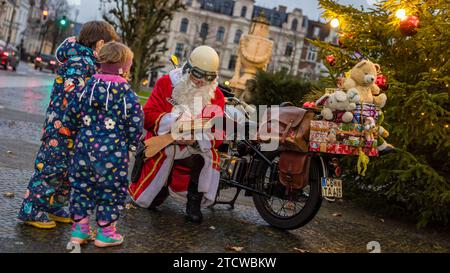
[246, 167]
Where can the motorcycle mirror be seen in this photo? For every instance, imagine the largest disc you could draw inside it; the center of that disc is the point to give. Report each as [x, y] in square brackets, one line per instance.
[175, 61]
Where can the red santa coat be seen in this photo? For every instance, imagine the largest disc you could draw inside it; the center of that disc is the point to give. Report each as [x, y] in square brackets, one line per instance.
[156, 170]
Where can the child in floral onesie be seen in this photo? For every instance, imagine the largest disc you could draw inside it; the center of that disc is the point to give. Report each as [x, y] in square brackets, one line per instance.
[108, 122]
[46, 198]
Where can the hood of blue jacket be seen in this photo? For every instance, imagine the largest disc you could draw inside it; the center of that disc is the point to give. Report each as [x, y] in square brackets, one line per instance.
[71, 48]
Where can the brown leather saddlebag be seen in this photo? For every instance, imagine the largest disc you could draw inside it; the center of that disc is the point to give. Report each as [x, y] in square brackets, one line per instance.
[294, 128]
[294, 169]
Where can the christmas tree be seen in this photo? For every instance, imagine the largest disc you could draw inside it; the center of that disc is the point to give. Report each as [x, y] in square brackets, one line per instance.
[410, 40]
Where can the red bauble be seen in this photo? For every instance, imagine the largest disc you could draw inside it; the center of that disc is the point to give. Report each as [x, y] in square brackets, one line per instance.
[309, 104]
[382, 82]
[331, 60]
[409, 25]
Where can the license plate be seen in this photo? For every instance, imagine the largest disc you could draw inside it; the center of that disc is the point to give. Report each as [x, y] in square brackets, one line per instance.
[331, 188]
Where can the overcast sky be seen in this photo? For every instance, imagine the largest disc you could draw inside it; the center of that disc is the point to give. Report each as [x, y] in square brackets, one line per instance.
[89, 9]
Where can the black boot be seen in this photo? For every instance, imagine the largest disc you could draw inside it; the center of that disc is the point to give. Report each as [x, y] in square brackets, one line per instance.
[193, 212]
[195, 163]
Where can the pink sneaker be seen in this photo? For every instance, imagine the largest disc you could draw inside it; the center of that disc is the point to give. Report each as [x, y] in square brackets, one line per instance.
[81, 232]
[108, 236]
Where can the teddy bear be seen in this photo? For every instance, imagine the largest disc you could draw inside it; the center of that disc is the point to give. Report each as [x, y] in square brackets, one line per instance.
[362, 82]
[337, 100]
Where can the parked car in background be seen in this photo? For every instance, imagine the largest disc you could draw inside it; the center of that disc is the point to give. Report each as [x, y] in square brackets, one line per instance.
[9, 56]
[45, 61]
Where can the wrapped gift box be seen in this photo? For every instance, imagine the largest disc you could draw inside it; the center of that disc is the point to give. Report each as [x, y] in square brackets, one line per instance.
[340, 138]
[368, 110]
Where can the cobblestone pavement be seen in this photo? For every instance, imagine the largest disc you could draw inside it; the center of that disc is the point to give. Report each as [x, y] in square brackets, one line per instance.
[21, 110]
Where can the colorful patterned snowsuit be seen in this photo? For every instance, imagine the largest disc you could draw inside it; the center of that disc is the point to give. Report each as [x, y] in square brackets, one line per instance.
[49, 188]
[109, 119]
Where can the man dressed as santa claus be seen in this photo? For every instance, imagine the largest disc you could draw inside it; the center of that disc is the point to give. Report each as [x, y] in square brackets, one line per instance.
[191, 166]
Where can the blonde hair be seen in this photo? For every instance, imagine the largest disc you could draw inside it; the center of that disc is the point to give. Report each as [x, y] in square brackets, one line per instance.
[115, 52]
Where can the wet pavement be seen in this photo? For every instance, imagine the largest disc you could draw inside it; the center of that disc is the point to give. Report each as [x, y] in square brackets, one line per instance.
[338, 227]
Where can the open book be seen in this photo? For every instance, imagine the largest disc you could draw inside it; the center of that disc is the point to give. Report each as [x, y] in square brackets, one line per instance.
[155, 144]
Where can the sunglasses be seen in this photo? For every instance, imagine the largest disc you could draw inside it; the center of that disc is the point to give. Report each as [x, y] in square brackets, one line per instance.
[198, 73]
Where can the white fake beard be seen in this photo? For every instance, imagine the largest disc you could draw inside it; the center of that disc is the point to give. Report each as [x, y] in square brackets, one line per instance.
[185, 93]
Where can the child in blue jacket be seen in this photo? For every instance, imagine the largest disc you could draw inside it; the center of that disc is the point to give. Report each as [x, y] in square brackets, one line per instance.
[47, 194]
[108, 120]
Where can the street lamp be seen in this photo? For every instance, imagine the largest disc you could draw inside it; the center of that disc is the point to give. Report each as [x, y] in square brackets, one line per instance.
[45, 14]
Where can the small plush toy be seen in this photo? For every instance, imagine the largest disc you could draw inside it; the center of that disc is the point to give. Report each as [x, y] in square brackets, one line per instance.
[331, 138]
[383, 146]
[336, 101]
[369, 125]
[362, 82]
[383, 132]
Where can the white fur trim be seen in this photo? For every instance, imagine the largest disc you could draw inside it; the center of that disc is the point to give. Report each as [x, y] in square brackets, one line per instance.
[146, 198]
[166, 122]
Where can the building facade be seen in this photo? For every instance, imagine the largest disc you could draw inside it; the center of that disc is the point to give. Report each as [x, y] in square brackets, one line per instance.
[311, 67]
[221, 23]
[13, 21]
[34, 36]
[31, 30]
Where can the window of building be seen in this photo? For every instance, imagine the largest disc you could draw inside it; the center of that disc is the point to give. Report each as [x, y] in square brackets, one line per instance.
[189, 2]
[220, 34]
[232, 63]
[276, 21]
[208, 5]
[294, 25]
[227, 8]
[237, 36]
[289, 49]
[179, 50]
[204, 31]
[316, 31]
[312, 54]
[184, 25]
[244, 11]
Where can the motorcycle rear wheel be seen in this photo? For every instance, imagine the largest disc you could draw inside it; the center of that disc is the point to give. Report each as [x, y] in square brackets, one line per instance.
[273, 215]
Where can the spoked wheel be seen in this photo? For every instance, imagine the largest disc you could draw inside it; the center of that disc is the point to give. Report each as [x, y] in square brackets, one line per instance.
[292, 210]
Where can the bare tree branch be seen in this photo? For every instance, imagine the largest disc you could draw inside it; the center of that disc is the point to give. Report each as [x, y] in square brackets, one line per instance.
[143, 26]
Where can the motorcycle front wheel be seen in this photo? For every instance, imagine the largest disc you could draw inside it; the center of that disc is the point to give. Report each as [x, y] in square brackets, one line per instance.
[293, 211]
